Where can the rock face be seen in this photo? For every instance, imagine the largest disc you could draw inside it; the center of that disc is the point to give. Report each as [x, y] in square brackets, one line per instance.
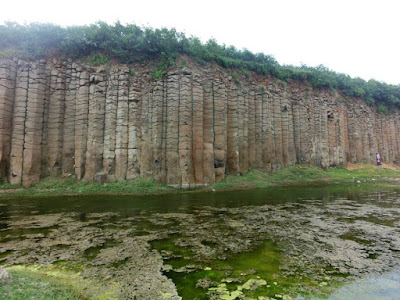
[4, 276]
[189, 128]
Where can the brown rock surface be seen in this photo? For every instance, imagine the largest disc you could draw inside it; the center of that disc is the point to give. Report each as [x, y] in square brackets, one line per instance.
[187, 128]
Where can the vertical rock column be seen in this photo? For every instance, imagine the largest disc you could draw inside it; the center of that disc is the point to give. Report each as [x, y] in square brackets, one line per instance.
[174, 175]
[358, 133]
[68, 151]
[332, 134]
[298, 117]
[366, 141]
[267, 133]
[321, 132]
[158, 156]
[208, 130]
[307, 128]
[56, 119]
[258, 127]
[33, 124]
[186, 129]
[110, 124]
[341, 137]
[392, 139]
[81, 125]
[284, 111]
[145, 133]
[220, 122]
[7, 93]
[385, 139]
[232, 130]
[121, 142]
[243, 130]
[291, 148]
[45, 170]
[397, 142]
[252, 128]
[18, 125]
[198, 125]
[95, 134]
[133, 102]
[277, 151]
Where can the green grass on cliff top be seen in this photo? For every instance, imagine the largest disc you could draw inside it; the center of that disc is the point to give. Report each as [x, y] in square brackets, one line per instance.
[101, 43]
[296, 175]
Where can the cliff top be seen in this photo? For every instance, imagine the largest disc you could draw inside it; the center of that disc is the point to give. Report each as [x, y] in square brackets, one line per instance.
[101, 42]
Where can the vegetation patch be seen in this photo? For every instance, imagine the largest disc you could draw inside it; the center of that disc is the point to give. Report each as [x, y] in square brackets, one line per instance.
[306, 175]
[99, 42]
[296, 175]
[51, 284]
[57, 185]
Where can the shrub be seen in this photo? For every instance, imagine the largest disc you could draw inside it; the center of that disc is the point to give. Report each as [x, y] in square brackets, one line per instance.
[97, 59]
[382, 109]
[100, 42]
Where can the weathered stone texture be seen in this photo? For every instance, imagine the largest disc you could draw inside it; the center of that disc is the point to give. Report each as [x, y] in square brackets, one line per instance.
[7, 88]
[34, 124]
[18, 124]
[55, 119]
[95, 132]
[72, 83]
[81, 125]
[121, 141]
[174, 174]
[190, 127]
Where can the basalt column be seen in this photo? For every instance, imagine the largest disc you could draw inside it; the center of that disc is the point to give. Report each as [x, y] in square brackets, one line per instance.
[34, 124]
[174, 175]
[252, 129]
[68, 151]
[81, 125]
[198, 125]
[258, 127]
[232, 130]
[157, 162]
[18, 125]
[242, 131]
[134, 102]
[95, 133]
[220, 122]
[189, 127]
[268, 146]
[277, 109]
[122, 141]
[7, 87]
[55, 120]
[209, 132]
[186, 129]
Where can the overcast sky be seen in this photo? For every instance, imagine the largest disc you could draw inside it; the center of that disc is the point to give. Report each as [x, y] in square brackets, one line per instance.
[357, 37]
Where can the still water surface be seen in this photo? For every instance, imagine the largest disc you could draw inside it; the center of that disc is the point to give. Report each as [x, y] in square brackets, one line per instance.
[298, 242]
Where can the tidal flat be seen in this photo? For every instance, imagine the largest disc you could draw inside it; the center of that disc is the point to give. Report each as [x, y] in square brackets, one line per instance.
[276, 243]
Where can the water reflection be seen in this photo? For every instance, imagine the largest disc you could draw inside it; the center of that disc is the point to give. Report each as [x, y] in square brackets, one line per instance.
[203, 240]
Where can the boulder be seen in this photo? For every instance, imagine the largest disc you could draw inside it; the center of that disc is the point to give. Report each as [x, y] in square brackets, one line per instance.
[4, 276]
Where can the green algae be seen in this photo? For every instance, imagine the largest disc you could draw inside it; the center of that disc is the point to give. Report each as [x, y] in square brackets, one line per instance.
[92, 252]
[378, 221]
[253, 269]
[174, 237]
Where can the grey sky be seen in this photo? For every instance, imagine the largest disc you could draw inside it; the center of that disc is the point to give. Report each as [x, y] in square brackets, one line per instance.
[359, 38]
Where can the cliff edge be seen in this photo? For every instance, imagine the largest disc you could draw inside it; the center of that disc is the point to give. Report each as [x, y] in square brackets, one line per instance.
[187, 128]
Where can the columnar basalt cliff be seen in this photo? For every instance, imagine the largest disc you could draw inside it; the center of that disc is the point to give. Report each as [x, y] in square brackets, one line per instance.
[188, 128]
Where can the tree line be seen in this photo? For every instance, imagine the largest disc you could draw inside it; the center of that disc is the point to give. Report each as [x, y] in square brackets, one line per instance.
[130, 43]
